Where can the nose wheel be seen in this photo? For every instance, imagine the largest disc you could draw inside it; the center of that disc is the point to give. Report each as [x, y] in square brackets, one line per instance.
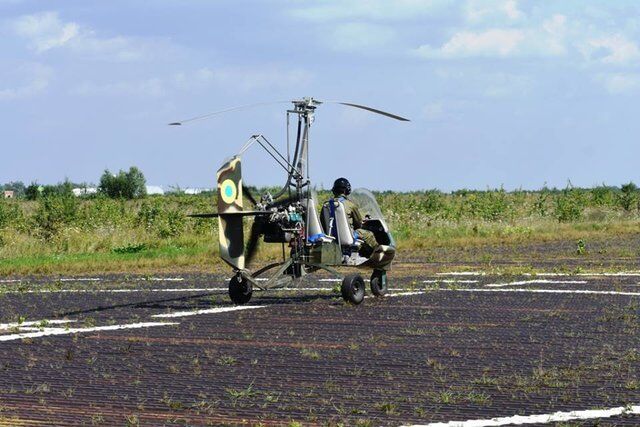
[379, 282]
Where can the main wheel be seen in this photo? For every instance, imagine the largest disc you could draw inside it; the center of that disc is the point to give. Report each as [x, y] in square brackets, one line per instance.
[379, 282]
[353, 288]
[240, 290]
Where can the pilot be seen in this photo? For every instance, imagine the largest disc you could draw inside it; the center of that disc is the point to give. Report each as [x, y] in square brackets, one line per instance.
[341, 190]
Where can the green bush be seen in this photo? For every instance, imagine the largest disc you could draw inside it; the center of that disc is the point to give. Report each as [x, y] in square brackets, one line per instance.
[127, 185]
[603, 195]
[570, 205]
[11, 215]
[163, 220]
[628, 197]
[102, 212]
[53, 214]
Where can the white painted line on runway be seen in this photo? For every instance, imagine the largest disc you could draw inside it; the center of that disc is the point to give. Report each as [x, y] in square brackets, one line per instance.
[66, 331]
[623, 274]
[589, 414]
[546, 291]
[483, 273]
[463, 273]
[10, 281]
[43, 323]
[406, 294]
[208, 311]
[79, 279]
[449, 281]
[115, 291]
[541, 281]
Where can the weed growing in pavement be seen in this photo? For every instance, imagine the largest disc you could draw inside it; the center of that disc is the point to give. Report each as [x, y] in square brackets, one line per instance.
[226, 360]
[97, 419]
[171, 404]
[413, 331]
[132, 420]
[581, 248]
[434, 364]
[310, 354]
[238, 395]
[38, 389]
[388, 408]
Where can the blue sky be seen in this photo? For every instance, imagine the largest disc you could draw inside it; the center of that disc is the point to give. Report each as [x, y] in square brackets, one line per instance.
[513, 93]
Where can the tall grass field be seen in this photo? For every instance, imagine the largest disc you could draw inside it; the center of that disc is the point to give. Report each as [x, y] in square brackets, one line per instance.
[66, 234]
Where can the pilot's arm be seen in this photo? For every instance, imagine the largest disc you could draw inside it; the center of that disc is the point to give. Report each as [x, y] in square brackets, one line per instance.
[356, 216]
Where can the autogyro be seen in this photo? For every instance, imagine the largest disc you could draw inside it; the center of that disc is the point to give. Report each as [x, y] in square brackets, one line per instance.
[314, 240]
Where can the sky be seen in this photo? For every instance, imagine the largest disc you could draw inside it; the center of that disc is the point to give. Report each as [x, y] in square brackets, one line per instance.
[500, 93]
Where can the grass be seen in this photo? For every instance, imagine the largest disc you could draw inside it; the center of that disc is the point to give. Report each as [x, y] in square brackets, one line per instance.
[82, 236]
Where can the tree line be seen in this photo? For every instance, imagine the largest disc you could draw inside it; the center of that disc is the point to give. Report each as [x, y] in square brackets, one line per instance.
[129, 185]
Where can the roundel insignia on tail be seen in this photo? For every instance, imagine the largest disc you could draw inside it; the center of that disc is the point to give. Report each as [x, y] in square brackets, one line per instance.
[228, 191]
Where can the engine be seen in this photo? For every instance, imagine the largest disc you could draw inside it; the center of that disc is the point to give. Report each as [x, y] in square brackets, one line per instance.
[284, 225]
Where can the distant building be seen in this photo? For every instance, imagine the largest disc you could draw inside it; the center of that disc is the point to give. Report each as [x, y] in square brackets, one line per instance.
[194, 191]
[8, 194]
[154, 189]
[84, 191]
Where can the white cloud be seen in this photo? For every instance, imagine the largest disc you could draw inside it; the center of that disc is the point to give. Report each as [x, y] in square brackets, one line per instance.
[615, 50]
[493, 42]
[46, 31]
[621, 83]
[549, 39]
[32, 80]
[378, 10]
[478, 11]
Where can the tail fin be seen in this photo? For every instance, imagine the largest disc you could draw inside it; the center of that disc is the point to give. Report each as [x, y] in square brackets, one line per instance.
[231, 234]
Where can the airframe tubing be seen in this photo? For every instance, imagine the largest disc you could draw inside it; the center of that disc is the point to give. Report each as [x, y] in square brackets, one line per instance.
[266, 268]
[272, 279]
[323, 267]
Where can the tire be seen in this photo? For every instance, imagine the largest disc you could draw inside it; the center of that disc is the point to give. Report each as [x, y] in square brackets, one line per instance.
[353, 288]
[240, 290]
[379, 283]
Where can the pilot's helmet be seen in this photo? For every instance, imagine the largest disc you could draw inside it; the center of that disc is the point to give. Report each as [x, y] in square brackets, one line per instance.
[341, 186]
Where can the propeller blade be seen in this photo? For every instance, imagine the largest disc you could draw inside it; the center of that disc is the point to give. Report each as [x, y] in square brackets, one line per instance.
[252, 244]
[248, 195]
[373, 110]
[227, 110]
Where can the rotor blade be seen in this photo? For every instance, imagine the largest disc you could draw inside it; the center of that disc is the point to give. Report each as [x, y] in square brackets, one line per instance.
[227, 110]
[248, 195]
[216, 214]
[373, 110]
[252, 244]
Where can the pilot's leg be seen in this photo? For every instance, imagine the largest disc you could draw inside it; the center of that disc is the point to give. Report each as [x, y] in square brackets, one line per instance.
[369, 244]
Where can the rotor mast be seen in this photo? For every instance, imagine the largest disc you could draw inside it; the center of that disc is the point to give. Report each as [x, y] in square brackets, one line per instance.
[304, 109]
